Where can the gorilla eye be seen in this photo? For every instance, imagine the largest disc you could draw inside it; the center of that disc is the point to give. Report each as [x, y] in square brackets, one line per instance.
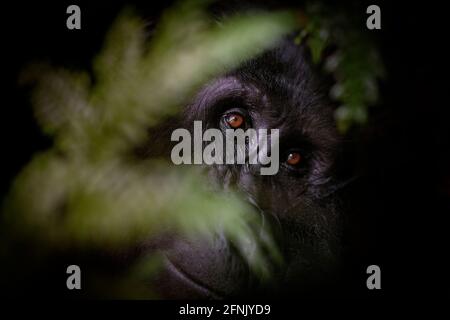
[234, 120]
[293, 158]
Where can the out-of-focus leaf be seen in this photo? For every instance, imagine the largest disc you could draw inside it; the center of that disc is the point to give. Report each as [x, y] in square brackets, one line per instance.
[86, 192]
[355, 64]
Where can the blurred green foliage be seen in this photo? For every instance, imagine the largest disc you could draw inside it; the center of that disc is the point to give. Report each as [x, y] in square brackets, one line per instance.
[86, 191]
[355, 63]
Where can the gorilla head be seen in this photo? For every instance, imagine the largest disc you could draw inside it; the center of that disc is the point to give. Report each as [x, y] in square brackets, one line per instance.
[276, 90]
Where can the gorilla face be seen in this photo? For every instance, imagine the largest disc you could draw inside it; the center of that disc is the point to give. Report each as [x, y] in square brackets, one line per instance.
[277, 90]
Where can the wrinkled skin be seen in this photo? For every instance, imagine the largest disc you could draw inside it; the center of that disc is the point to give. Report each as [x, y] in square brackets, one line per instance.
[278, 90]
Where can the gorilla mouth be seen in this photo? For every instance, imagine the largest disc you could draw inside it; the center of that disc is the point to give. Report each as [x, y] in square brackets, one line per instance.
[187, 285]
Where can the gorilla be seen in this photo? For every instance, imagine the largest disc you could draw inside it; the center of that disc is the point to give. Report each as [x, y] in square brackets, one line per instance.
[279, 89]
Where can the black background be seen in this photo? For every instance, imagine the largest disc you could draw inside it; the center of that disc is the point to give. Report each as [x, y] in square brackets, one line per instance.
[401, 203]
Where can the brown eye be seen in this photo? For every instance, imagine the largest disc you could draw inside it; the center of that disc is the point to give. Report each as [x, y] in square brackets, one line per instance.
[293, 158]
[234, 120]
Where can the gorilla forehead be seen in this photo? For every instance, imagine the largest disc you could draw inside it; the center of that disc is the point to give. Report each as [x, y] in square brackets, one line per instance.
[284, 74]
[278, 88]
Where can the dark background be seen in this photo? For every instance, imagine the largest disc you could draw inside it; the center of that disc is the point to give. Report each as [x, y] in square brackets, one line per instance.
[397, 209]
